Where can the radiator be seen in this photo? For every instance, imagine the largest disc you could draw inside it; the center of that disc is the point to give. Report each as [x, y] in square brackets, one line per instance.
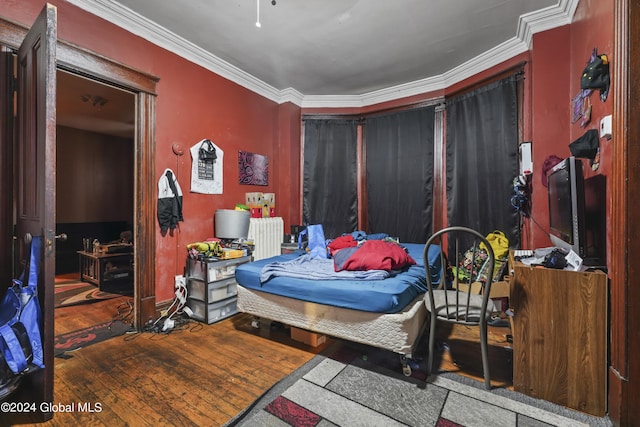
[267, 235]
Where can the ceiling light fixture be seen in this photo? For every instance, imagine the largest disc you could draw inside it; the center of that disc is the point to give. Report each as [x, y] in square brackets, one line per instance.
[258, 24]
[95, 100]
[258, 14]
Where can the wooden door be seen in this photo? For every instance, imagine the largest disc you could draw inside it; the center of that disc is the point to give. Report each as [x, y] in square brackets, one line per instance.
[34, 197]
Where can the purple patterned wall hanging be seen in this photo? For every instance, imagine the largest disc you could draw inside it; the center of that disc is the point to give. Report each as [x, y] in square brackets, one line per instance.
[253, 169]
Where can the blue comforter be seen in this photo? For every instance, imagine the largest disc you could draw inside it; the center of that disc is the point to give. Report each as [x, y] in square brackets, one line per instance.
[306, 267]
[385, 295]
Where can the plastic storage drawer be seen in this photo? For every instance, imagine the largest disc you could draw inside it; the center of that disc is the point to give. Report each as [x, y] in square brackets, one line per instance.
[211, 313]
[210, 270]
[212, 292]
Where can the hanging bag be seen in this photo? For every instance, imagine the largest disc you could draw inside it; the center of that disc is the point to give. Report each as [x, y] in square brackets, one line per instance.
[20, 320]
[206, 157]
[207, 151]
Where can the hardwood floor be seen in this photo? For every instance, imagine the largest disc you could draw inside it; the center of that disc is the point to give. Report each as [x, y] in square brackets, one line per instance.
[203, 375]
[75, 317]
[462, 353]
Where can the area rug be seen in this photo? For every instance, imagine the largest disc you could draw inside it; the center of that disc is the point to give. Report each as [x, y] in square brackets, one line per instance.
[353, 385]
[85, 337]
[74, 292]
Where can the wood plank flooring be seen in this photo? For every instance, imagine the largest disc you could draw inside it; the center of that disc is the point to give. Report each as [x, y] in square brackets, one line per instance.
[203, 375]
[75, 317]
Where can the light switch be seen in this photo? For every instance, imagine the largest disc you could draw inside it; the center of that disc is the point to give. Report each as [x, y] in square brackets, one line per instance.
[605, 127]
[526, 162]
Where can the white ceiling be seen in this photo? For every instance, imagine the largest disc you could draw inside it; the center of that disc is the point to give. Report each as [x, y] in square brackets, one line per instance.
[339, 52]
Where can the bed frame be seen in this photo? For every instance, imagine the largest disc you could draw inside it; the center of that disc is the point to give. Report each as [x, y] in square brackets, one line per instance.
[397, 332]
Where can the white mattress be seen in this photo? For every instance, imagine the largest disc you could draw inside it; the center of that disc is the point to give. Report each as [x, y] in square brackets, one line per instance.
[398, 332]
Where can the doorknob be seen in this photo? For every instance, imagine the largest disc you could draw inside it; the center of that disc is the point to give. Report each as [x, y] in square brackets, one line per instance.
[27, 238]
[62, 237]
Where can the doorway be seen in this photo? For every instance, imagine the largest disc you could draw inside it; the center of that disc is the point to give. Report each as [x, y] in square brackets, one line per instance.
[81, 62]
[34, 118]
[95, 141]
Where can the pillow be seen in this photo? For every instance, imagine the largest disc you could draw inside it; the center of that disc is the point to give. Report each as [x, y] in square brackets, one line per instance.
[373, 255]
[346, 241]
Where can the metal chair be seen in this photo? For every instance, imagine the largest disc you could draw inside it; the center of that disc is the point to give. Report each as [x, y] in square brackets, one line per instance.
[450, 302]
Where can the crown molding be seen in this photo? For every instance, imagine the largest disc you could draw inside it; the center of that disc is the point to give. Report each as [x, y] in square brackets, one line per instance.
[545, 19]
[404, 90]
[290, 95]
[139, 25]
[529, 24]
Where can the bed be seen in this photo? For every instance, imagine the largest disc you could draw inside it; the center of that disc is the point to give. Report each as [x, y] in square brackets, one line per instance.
[388, 312]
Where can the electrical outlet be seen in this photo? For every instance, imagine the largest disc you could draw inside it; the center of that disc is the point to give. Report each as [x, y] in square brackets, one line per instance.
[180, 282]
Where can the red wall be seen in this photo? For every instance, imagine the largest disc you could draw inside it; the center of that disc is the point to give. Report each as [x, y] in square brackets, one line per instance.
[558, 58]
[193, 103]
[550, 120]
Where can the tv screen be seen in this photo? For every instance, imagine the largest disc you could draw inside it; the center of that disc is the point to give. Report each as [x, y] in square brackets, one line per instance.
[560, 210]
[566, 206]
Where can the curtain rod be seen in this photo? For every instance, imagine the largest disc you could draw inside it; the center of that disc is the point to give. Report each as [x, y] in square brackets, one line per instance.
[517, 69]
[331, 117]
[422, 104]
[362, 117]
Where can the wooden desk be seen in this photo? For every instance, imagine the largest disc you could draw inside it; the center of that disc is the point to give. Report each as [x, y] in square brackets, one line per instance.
[110, 272]
[560, 336]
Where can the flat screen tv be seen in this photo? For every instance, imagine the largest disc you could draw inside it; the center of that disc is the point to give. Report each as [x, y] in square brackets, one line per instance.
[566, 206]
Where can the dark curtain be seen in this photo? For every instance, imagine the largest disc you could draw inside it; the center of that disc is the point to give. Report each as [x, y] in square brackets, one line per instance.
[482, 159]
[399, 167]
[330, 175]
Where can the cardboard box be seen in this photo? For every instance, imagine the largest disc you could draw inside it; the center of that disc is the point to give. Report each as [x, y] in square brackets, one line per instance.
[232, 253]
[498, 289]
[500, 295]
[255, 203]
[499, 292]
[310, 338]
[476, 287]
[269, 205]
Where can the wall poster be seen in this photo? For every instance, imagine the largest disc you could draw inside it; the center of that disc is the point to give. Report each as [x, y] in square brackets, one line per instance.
[253, 169]
[206, 168]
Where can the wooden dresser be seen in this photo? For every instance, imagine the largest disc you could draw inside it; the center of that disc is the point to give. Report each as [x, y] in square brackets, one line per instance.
[560, 324]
